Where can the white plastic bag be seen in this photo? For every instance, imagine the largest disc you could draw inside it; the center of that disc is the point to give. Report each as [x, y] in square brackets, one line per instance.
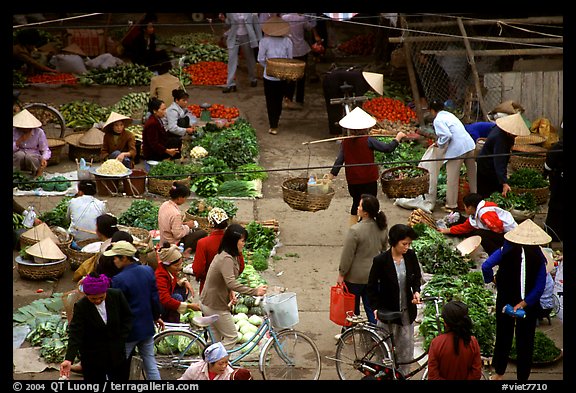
[428, 201]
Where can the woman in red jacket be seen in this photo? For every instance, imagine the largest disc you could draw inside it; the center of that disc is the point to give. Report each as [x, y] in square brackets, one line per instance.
[455, 354]
[173, 290]
[154, 135]
[357, 154]
[207, 247]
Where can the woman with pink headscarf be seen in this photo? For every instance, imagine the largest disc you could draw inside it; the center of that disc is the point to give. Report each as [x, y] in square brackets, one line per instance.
[97, 332]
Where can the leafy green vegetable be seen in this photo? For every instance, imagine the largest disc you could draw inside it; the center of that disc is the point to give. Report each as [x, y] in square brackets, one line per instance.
[201, 206]
[468, 288]
[142, 213]
[239, 188]
[527, 178]
[259, 237]
[57, 216]
[545, 350]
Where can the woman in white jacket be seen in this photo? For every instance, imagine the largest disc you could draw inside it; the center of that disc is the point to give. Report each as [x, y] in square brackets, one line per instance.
[458, 147]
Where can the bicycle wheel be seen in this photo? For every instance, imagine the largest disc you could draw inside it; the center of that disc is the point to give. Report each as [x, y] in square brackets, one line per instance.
[53, 122]
[354, 345]
[175, 350]
[291, 356]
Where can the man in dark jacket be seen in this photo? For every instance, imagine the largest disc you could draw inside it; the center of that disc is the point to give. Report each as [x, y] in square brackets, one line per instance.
[138, 283]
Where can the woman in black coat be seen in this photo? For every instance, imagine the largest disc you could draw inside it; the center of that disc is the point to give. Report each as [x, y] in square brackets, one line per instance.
[99, 344]
[394, 285]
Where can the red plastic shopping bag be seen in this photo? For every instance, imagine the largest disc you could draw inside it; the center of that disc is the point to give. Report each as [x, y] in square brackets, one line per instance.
[341, 303]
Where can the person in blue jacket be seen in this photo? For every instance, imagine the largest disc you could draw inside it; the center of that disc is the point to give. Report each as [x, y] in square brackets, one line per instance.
[138, 283]
[520, 282]
[480, 129]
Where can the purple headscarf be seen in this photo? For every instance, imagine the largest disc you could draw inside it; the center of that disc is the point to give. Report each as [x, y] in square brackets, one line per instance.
[95, 285]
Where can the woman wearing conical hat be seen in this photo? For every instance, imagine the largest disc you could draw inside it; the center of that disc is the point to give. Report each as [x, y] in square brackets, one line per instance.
[520, 281]
[30, 150]
[492, 162]
[118, 143]
[357, 154]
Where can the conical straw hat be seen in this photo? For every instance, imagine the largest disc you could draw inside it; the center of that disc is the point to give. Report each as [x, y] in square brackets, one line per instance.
[358, 119]
[376, 81]
[74, 49]
[528, 233]
[93, 137]
[25, 119]
[513, 124]
[47, 249]
[276, 27]
[114, 117]
[39, 232]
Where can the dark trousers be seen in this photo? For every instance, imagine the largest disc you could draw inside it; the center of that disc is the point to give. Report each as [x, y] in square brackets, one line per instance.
[507, 328]
[297, 86]
[491, 241]
[360, 292]
[356, 191]
[274, 93]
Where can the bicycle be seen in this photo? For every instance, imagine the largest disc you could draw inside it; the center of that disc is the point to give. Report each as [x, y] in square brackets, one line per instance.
[366, 350]
[53, 122]
[286, 354]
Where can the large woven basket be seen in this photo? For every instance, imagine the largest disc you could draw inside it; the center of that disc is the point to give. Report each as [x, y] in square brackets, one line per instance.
[297, 197]
[41, 271]
[409, 187]
[143, 235]
[540, 194]
[532, 139]
[203, 221]
[533, 161]
[76, 257]
[287, 69]
[56, 145]
[162, 186]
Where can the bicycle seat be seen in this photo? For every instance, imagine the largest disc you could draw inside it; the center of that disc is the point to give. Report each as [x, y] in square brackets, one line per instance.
[388, 316]
[205, 321]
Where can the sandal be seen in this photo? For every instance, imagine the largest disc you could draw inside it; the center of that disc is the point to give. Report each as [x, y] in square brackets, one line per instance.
[273, 131]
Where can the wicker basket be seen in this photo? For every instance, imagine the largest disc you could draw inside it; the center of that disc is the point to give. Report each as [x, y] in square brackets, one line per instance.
[203, 222]
[142, 234]
[287, 69]
[296, 196]
[405, 188]
[533, 161]
[532, 139]
[76, 257]
[40, 271]
[162, 186]
[540, 194]
[56, 145]
[78, 151]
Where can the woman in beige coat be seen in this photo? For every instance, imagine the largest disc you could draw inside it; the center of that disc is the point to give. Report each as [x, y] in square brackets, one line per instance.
[363, 242]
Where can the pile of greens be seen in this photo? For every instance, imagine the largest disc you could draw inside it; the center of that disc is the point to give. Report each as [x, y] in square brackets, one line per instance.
[47, 328]
[469, 289]
[57, 216]
[142, 213]
[259, 244]
[527, 178]
[407, 153]
[437, 255]
[524, 201]
[545, 350]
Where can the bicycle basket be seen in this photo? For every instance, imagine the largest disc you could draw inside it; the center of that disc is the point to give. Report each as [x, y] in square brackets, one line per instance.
[282, 309]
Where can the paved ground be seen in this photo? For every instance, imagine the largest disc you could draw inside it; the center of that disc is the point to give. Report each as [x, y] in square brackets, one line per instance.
[313, 239]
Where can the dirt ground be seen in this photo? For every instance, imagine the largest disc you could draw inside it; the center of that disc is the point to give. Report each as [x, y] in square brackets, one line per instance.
[310, 242]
